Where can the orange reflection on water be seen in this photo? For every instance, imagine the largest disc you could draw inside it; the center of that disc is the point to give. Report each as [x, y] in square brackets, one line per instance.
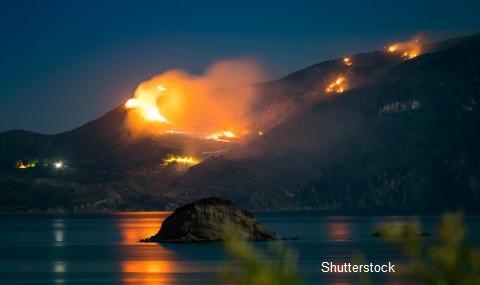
[136, 226]
[339, 231]
[147, 266]
[143, 272]
[145, 263]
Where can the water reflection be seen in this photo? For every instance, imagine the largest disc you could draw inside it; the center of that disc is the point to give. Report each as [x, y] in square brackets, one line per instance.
[136, 226]
[338, 230]
[146, 263]
[59, 232]
[59, 267]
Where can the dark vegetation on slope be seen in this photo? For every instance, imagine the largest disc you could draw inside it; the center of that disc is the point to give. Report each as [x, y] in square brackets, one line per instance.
[405, 136]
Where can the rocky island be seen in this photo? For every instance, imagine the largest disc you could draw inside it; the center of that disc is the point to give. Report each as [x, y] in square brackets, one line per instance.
[208, 220]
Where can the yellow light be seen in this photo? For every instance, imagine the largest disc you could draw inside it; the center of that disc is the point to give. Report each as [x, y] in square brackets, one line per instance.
[22, 165]
[161, 88]
[337, 86]
[149, 112]
[186, 160]
[222, 136]
[347, 61]
[392, 48]
[132, 103]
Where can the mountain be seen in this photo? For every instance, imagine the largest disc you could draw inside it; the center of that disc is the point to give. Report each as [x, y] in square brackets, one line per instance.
[408, 141]
[403, 136]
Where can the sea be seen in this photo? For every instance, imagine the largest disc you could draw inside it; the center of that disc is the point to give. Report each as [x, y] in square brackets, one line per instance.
[105, 248]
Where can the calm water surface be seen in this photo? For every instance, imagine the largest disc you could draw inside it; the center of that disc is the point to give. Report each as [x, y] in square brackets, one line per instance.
[104, 249]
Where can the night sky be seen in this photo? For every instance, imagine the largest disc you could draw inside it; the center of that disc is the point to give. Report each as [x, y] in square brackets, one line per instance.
[63, 63]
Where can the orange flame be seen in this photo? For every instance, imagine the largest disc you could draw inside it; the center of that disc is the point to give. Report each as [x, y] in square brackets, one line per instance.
[337, 86]
[347, 61]
[145, 104]
[223, 136]
[185, 160]
[407, 50]
[216, 105]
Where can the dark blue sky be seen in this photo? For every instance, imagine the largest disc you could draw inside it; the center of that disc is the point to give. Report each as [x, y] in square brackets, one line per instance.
[63, 63]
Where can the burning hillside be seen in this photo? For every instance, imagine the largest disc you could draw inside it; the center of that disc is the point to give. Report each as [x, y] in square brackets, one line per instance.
[182, 160]
[347, 61]
[321, 144]
[338, 85]
[213, 106]
[407, 50]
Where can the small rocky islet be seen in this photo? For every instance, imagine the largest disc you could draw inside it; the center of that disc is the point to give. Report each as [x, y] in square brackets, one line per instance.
[210, 220]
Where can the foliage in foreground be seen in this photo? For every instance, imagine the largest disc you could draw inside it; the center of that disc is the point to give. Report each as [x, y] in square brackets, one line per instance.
[251, 268]
[449, 260]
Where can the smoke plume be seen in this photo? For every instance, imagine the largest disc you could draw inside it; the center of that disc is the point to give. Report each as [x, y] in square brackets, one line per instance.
[214, 105]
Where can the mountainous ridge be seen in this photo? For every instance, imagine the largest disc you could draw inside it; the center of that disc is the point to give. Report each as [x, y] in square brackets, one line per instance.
[401, 130]
[299, 144]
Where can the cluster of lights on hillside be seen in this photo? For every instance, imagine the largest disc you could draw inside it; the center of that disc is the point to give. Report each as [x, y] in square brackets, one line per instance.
[30, 164]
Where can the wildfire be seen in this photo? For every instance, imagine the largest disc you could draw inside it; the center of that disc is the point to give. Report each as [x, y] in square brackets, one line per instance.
[337, 86]
[393, 48]
[347, 61]
[147, 106]
[407, 50]
[223, 136]
[216, 105]
[185, 160]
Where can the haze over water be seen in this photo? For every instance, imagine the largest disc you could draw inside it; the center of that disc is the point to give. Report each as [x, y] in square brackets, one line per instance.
[104, 249]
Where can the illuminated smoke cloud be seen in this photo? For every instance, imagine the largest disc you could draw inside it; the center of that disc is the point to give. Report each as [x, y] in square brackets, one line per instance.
[215, 105]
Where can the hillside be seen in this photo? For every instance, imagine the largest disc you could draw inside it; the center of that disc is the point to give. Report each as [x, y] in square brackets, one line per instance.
[408, 141]
[404, 135]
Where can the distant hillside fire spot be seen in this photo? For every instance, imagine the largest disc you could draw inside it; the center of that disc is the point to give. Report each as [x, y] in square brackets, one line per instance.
[182, 160]
[407, 50]
[347, 61]
[224, 136]
[338, 85]
[216, 105]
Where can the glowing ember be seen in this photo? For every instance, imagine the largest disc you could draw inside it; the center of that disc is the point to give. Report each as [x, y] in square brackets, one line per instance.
[223, 136]
[347, 61]
[337, 86]
[185, 160]
[406, 50]
[409, 54]
[260, 133]
[392, 48]
[147, 106]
